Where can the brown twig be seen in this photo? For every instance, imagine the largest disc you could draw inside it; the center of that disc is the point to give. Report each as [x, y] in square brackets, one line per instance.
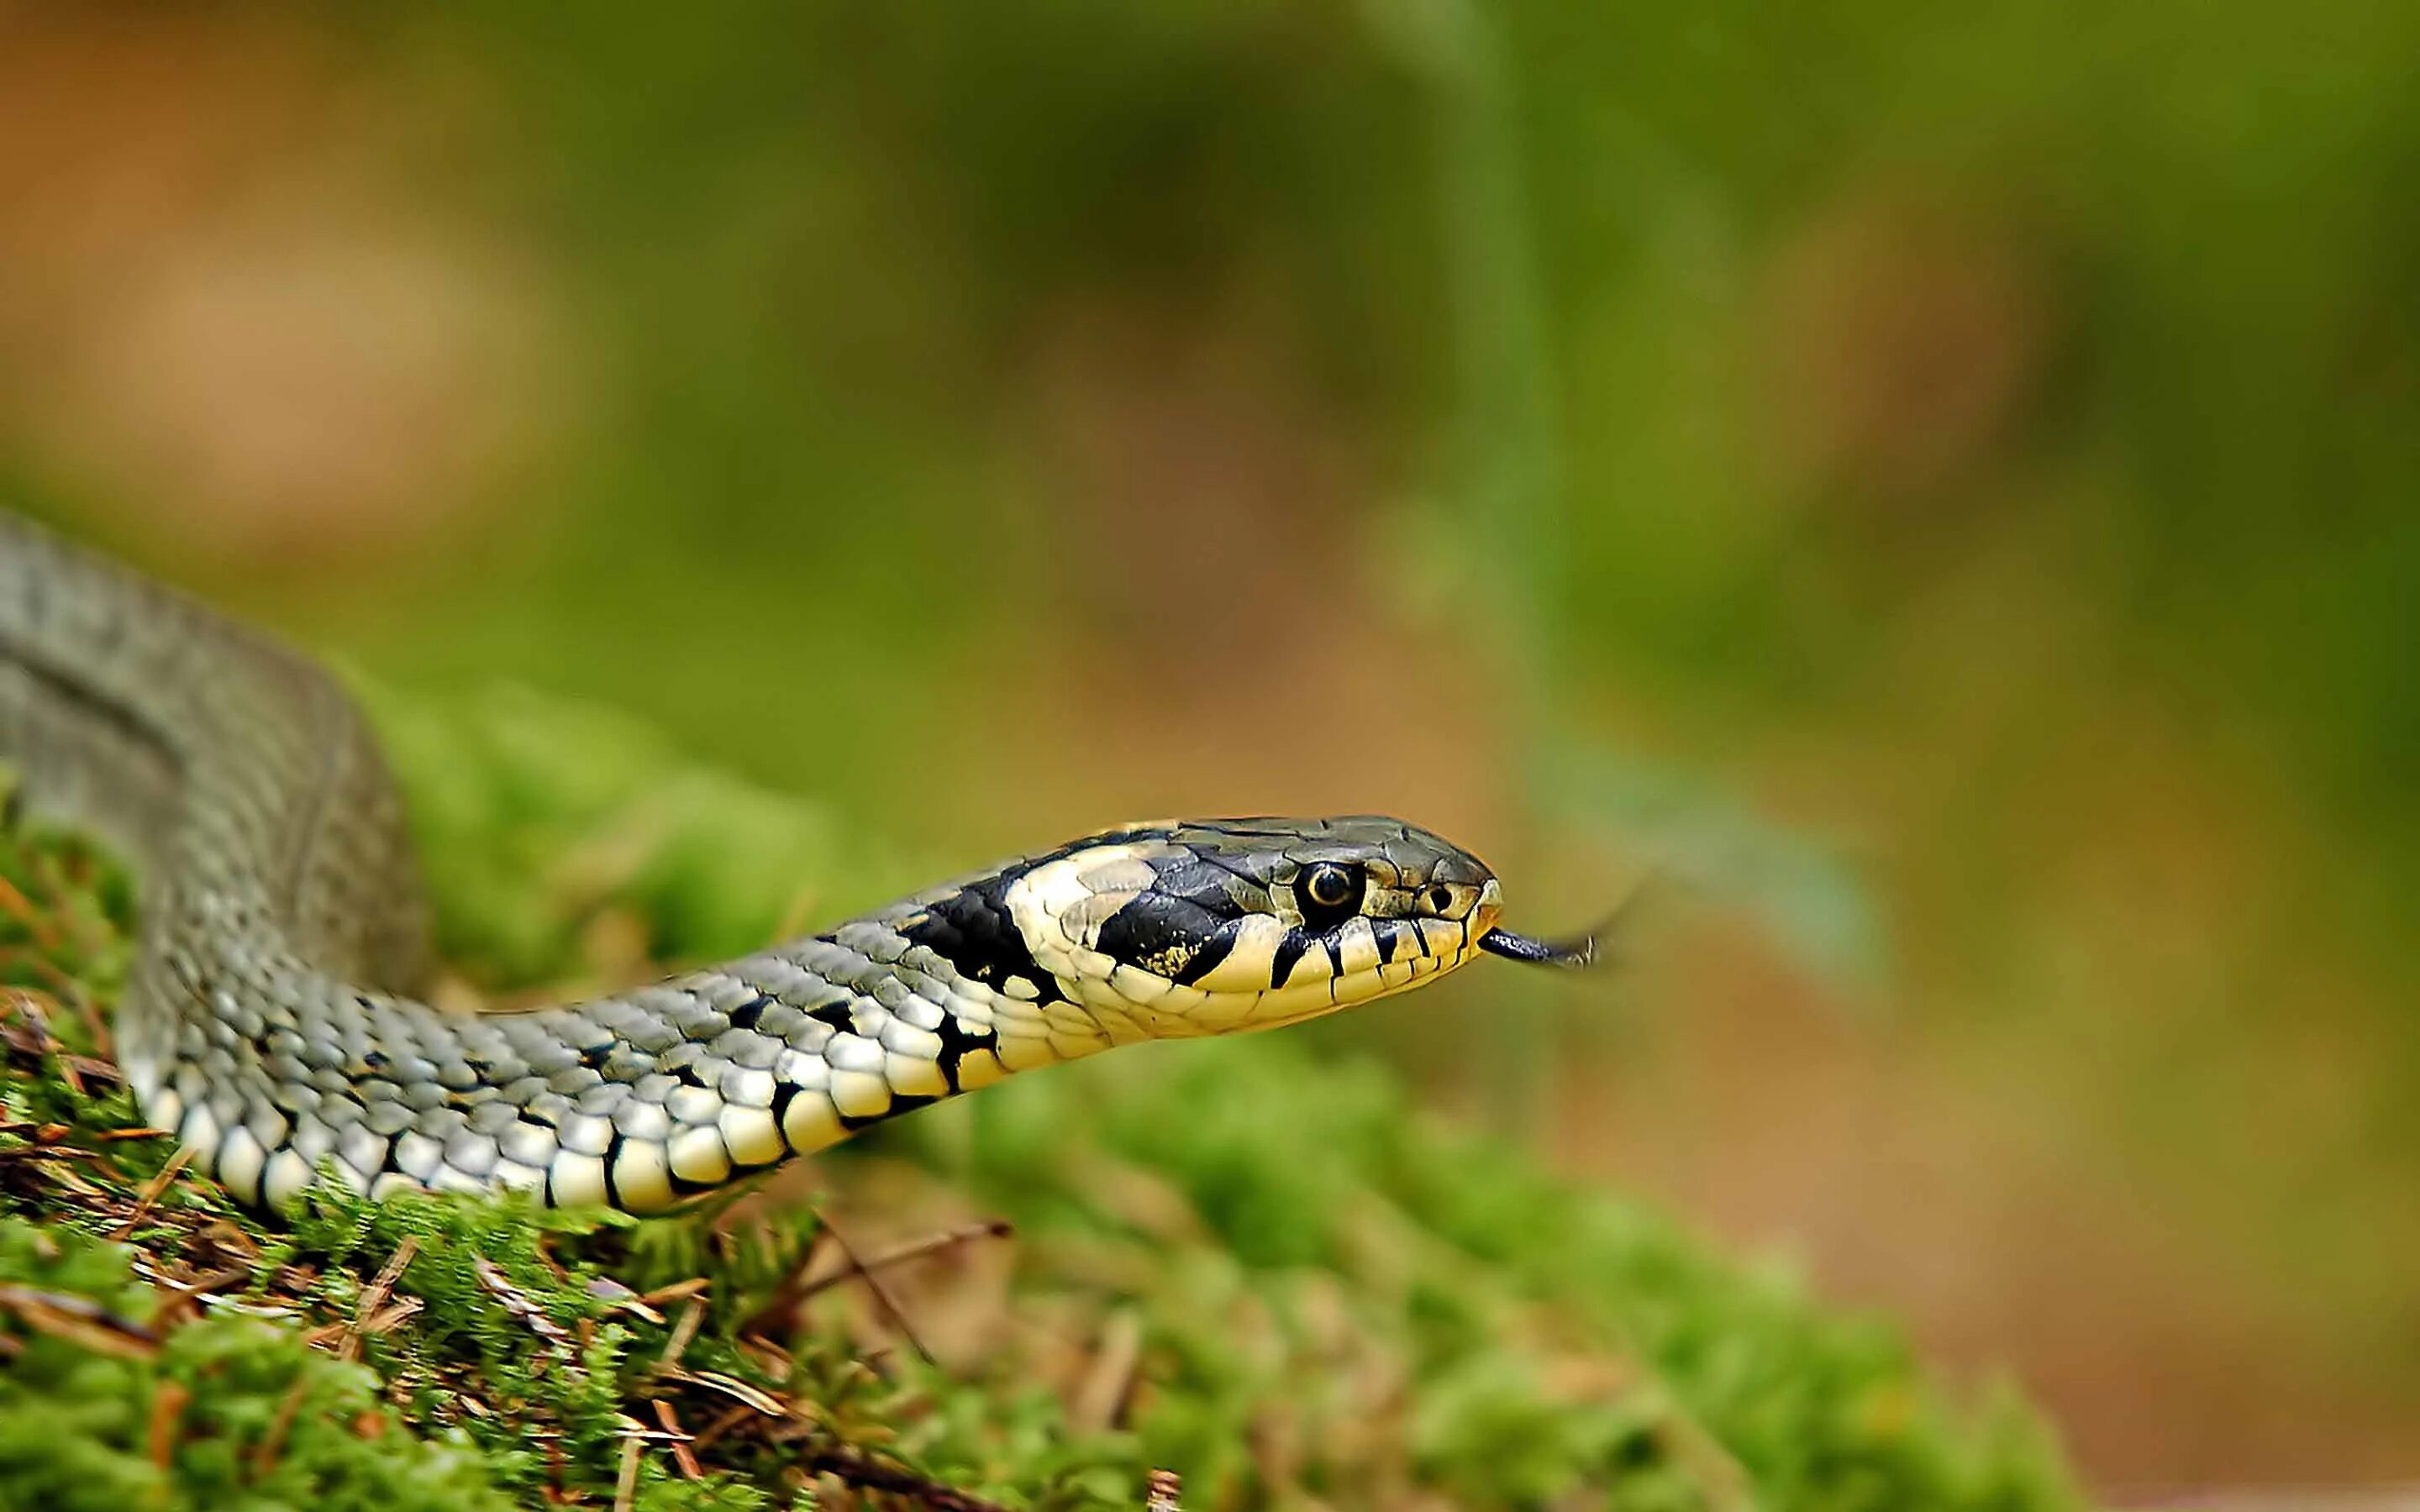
[798, 1288]
[80, 1068]
[1102, 1396]
[755, 1398]
[39, 1153]
[683, 1331]
[151, 1190]
[918, 1249]
[731, 1418]
[616, 1295]
[517, 1302]
[625, 1485]
[856, 1469]
[288, 1408]
[167, 1411]
[873, 1284]
[682, 1455]
[65, 1314]
[374, 1296]
[25, 1028]
[678, 1291]
[18, 906]
[225, 1276]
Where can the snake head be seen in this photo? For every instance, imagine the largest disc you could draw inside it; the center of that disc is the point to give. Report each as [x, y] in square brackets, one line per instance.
[1221, 926]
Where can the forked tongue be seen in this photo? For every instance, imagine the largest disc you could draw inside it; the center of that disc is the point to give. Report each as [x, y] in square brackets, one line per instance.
[1571, 954]
[1577, 953]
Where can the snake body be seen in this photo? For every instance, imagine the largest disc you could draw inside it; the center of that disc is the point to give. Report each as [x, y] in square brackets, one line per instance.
[268, 1018]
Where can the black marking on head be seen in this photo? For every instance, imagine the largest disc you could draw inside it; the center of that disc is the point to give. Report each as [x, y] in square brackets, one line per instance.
[1212, 951]
[1290, 949]
[973, 931]
[1157, 933]
[1389, 933]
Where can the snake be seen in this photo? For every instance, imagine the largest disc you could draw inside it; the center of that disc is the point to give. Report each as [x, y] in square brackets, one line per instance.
[269, 1018]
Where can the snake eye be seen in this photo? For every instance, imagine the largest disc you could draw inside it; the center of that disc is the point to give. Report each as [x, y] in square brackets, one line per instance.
[1326, 892]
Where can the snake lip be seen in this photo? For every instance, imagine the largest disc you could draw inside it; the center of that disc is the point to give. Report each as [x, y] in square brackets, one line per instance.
[1571, 955]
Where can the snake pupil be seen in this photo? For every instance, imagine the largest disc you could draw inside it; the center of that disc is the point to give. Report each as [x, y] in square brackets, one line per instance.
[1327, 892]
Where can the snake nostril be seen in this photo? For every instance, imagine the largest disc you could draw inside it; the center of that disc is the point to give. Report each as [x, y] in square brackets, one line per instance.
[1440, 898]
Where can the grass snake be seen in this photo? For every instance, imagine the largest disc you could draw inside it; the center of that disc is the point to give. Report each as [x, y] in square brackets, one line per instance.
[267, 1019]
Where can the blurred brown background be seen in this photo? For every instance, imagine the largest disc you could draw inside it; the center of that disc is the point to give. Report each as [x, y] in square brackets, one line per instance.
[1937, 487]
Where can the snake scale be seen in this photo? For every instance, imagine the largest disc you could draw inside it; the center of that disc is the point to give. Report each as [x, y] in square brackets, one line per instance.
[268, 1020]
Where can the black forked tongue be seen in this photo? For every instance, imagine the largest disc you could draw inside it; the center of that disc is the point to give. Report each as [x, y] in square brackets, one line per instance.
[1574, 954]
[1569, 954]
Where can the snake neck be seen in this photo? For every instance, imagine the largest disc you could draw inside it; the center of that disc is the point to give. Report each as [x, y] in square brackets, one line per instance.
[271, 1069]
[923, 1000]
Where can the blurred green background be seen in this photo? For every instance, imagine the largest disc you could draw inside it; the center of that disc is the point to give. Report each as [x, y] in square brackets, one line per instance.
[1935, 486]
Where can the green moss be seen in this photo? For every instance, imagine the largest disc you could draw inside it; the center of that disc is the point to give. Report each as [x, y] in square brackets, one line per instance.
[246, 1413]
[1302, 1291]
